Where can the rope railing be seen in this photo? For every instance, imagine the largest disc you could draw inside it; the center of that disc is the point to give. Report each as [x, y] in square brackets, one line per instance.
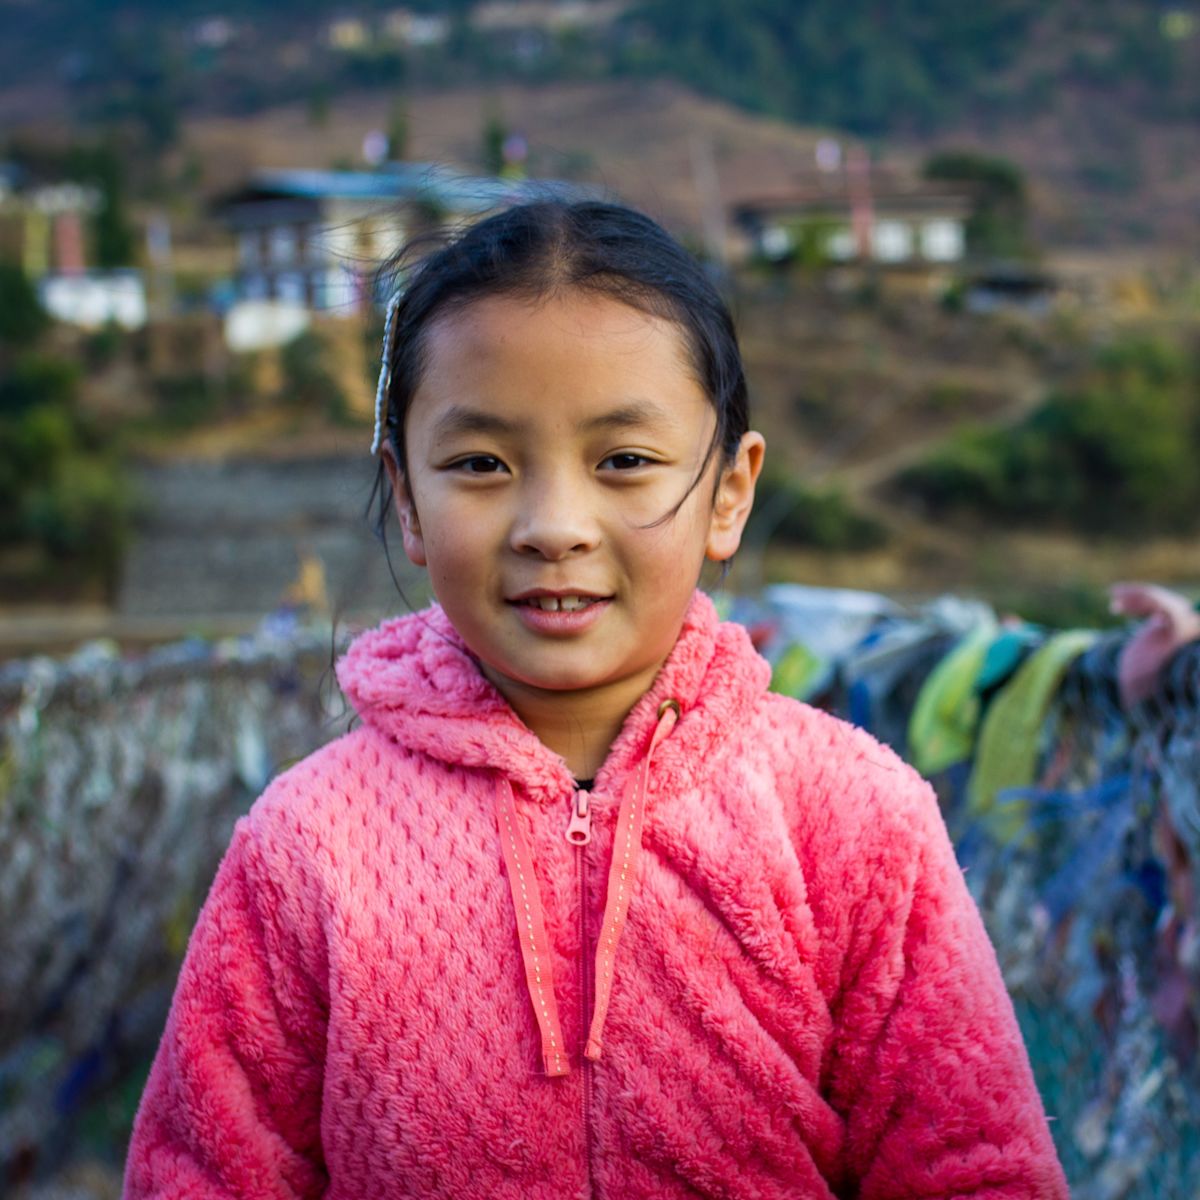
[1073, 799]
[1075, 814]
[120, 782]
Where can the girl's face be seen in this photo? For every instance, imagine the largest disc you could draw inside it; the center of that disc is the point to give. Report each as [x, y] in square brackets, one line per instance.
[544, 439]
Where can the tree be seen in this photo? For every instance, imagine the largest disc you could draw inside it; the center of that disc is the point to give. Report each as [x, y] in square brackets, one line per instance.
[398, 130]
[114, 242]
[22, 318]
[997, 224]
[62, 490]
[319, 104]
[494, 135]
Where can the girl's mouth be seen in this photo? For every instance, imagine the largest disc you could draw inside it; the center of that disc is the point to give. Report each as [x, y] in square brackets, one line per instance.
[560, 616]
[561, 603]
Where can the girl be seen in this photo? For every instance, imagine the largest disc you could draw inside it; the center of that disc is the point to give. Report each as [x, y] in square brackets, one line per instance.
[581, 909]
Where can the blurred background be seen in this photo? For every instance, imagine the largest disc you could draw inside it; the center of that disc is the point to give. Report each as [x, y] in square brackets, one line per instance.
[962, 245]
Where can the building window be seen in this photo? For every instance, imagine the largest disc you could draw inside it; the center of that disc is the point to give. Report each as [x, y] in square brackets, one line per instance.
[340, 292]
[892, 241]
[283, 245]
[942, 240]
[249, 249]
[776, 242]
[289, 287]
[314, 243]
[840, 245]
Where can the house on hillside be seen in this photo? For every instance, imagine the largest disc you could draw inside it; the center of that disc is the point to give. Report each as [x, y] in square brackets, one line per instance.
[914, 228]
[528, 29]
[313, 240]
[347, 33]
[556, 16]
[44, 227]
[416, 29]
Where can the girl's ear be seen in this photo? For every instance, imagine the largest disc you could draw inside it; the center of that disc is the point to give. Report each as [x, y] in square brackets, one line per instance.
[406, 510]
[735, 498]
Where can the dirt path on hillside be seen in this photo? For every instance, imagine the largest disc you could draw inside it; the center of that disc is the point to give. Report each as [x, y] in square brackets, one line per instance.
[912, 534]
[862, 478]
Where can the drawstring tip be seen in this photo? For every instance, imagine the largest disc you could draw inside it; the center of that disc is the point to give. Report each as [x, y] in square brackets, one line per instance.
[592, 1050]
[555, 1065]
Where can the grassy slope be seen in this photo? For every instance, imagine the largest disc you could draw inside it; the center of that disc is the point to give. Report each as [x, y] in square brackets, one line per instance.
[848, 395]
[845, 394]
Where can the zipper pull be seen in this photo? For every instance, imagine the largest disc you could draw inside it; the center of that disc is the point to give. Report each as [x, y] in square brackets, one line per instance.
[579, 831]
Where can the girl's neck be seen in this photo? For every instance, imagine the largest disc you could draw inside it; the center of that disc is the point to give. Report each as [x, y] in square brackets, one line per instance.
[582, 725]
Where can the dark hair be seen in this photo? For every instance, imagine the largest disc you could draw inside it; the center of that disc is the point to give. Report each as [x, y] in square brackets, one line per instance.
[533, 249]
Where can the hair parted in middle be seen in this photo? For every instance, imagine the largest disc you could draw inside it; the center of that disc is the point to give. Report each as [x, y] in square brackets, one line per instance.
[532, 250]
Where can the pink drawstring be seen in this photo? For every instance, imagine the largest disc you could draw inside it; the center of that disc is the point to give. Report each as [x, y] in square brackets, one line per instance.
[626, 847]
[535, 946]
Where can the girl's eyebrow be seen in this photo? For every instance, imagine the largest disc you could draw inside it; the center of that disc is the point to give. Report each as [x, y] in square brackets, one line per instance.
[636, 412]
[459, 419]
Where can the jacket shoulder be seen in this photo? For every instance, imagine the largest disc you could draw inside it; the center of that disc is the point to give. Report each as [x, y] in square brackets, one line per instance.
[346, 757]
[303, 803]
[830, 741]
[838, 774]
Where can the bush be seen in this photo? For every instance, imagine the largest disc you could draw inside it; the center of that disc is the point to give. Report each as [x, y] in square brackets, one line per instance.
[61, 489]
[309, 384]
[22, 318]
[61, 493]
[37, 379]
[186, 401]
[102, 348]
[33, 443]
[823, 520]
[81, 512]
[967, 473]
[1115, 453]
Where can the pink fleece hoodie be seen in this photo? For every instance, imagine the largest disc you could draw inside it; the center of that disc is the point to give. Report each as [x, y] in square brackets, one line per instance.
[765, 946]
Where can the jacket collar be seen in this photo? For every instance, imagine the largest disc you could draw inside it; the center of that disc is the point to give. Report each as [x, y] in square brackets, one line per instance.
[413, 679]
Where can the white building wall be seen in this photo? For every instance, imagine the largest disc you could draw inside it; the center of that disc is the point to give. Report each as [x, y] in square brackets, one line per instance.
[94, 299]
[891, 241]
[943, 240]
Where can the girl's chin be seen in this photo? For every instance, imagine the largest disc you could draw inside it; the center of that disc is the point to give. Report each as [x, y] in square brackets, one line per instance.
[559, 681]
[551, 672]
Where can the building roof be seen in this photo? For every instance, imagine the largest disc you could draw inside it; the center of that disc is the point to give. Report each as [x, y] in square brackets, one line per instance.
[401, 181]
[884, 203]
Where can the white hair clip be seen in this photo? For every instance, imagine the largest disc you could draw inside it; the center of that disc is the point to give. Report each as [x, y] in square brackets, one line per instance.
[385, 371]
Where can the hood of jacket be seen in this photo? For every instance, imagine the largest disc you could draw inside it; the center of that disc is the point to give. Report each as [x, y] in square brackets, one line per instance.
[414, 679]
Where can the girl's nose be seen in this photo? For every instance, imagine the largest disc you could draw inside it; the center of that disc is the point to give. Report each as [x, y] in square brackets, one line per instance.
[555, 521]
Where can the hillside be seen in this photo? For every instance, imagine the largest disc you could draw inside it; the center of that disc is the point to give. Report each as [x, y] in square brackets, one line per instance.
[1098, 100]
[638, 140]
[852, 392]
[649, 142]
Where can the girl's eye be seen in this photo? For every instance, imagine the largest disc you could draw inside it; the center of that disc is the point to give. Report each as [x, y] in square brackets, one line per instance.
[626, 461]
[479, 464]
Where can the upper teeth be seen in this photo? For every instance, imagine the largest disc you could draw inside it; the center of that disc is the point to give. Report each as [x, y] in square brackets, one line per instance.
[565, 603]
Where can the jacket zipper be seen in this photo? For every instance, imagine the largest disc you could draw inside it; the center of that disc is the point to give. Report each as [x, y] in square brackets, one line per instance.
[579, 833]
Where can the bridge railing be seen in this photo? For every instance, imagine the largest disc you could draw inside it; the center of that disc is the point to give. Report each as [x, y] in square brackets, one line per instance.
[1075, 816]
[1075, 812]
